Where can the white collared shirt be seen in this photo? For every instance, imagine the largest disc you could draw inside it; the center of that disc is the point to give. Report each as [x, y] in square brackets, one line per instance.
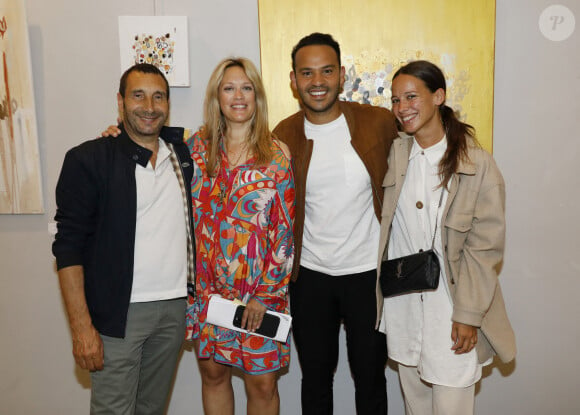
[418, 325]
[160, 268]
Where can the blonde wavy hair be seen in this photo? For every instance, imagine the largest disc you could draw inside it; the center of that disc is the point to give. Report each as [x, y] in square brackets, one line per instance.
[214, 128]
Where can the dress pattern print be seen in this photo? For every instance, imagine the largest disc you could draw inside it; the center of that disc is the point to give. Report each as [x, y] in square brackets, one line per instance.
[243, 230]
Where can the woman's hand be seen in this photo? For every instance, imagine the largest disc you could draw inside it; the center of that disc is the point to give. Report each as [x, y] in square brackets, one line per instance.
[253, 315]
[112, 130]
[464, 337]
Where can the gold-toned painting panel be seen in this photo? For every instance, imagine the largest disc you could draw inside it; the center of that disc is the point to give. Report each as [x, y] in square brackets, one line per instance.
[377, 37]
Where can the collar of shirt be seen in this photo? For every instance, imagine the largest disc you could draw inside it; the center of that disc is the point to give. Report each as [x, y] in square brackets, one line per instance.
[433, 154]
[327, 126]
[163, 151]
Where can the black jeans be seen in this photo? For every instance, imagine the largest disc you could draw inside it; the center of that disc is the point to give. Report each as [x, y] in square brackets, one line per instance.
[319, 302]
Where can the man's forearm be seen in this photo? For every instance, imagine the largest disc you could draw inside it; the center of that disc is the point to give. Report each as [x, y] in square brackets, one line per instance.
[72, 286]
[87, 344]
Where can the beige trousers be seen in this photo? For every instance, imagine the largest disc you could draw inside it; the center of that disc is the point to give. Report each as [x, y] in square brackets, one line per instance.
[422, 398]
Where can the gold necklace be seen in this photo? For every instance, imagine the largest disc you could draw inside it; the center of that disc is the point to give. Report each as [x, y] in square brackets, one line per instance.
[241, 152]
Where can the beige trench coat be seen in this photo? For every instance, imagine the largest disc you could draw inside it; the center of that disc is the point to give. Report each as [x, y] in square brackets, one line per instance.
[473, 236]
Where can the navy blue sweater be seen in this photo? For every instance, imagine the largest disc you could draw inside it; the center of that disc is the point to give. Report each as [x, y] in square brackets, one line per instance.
[96, 199]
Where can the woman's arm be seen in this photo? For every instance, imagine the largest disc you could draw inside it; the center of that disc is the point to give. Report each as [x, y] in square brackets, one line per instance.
[272, 287]
[482, 252]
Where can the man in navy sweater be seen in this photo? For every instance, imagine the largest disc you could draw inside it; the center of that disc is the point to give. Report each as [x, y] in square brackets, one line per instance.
[124, 250]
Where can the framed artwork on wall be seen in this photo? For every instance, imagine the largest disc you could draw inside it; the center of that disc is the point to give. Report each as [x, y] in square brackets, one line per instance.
[20, 183]
[379, 36]
[158, 40]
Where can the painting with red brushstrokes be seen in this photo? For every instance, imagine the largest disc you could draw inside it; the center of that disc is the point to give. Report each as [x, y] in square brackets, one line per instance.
[20, 183]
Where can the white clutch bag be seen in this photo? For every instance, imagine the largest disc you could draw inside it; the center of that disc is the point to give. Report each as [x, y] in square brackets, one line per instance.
[228, 314]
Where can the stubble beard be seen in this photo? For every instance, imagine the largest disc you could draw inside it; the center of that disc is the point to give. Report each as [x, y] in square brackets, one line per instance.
[132, 121]
[320, 110]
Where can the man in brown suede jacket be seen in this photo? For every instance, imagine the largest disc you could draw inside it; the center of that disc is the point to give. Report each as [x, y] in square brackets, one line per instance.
[336, 230]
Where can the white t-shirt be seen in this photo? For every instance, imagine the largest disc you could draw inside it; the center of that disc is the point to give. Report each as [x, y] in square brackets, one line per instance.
[160, 269]
[418, 325]
[341, 231]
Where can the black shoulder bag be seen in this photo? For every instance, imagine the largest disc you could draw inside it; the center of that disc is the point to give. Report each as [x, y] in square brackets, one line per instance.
[416, 272]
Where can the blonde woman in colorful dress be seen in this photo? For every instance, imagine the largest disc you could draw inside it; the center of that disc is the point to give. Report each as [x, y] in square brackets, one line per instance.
[243, 204]
[439, 179]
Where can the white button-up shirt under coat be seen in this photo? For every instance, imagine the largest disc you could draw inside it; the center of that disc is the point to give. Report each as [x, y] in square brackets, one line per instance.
[418, 325]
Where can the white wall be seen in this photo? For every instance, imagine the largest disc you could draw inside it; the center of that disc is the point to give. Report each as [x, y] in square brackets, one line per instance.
[76, 70]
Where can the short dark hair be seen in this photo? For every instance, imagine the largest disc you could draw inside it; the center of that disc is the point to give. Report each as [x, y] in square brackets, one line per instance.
[315, 38]
[143, 68]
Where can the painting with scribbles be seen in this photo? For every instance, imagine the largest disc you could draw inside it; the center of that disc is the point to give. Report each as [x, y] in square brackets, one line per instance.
[158, 40]
[20, 183]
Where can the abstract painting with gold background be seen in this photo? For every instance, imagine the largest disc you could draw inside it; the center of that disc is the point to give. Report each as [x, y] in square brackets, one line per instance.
[376, 38]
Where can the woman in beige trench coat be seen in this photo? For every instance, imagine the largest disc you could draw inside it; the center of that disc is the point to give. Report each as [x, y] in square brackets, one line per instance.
[442, 186]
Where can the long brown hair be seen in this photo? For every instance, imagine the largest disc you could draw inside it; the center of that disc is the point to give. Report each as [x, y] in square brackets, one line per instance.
[455, 130]
[214, 128]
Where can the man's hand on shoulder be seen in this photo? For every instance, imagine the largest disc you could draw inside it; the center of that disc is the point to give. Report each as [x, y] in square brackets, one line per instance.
[111, 131]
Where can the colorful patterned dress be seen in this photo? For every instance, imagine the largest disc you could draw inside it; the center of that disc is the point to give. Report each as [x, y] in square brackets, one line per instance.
[243, 230]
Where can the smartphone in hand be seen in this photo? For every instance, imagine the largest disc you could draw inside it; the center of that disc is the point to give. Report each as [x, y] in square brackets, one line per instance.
[269, 326]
